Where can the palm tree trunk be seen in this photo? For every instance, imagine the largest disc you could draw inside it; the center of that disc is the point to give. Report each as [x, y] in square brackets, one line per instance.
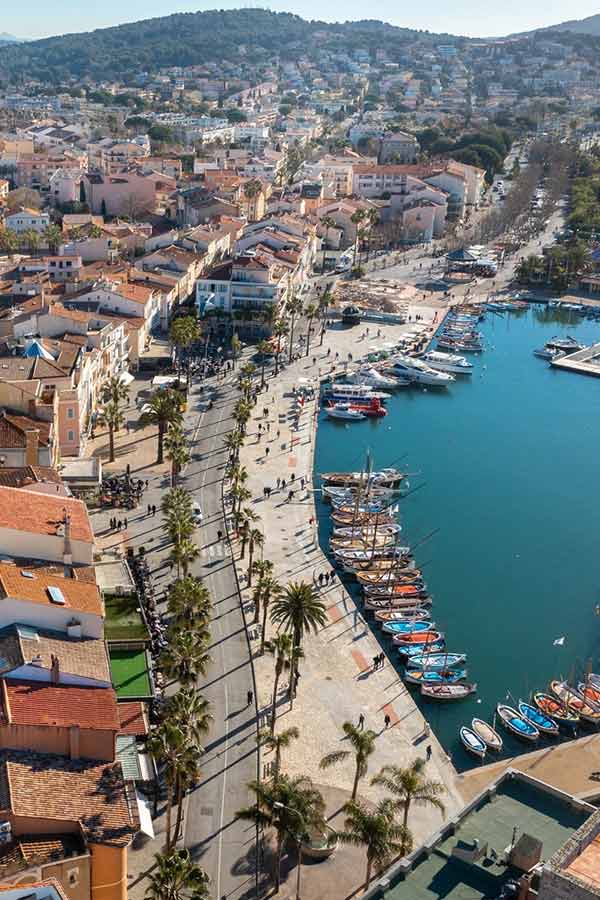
[405, 824]
[274, 701]
[277, 763]
[170, 785]
[180, 796]
[250, 555]
[264, 625]
[369, 870]
[291, 339]
[278, 853]
[277, 355]
[308, 337]
[356, 780]
[257, 605]
[161, 437]
[111, 443]
[262, 373]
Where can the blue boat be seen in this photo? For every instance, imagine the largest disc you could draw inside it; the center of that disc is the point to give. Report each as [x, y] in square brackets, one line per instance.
[435, 660]
[433, 676]
[417, 649]
[537, 718]
[407, 627]
[472, 742]
[511, 720]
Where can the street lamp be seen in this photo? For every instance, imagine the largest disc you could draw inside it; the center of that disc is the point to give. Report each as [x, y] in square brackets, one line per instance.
[278, 805]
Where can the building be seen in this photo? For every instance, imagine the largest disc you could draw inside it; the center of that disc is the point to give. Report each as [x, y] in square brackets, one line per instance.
[132, 193]
[25, 441]
[397, 147]
[23, 219]
[40, 526]
[573, 872]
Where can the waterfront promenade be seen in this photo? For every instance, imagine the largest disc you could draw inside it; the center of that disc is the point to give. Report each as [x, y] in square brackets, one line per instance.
[337, 681]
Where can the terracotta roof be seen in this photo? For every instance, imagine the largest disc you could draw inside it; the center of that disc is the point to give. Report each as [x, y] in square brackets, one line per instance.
[39, 703]
[44, 786]
[13, 428]
[22, 510]
[85, 657]
[24, 476]
[132, 718]
[37, 849]
[33, 588]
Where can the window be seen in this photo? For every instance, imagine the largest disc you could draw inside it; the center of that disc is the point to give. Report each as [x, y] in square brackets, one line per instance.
[70, 436]
[70, 412]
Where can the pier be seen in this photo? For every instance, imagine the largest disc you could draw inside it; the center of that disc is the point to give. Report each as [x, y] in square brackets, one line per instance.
[584, 362]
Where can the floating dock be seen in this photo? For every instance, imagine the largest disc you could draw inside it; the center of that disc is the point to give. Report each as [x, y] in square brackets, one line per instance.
[584, 362]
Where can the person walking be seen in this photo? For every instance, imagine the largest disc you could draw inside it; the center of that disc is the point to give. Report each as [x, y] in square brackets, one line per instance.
[290, 496]
[428, 751]
[375, 662]
[361, 721]
[320, 579]
[278, 482]
[125, 524]
[153, 507]
[332, 575]
[249, 698]
[387, 721]
[219, 535]
[149, 510]
[119, 525]
[266, 451]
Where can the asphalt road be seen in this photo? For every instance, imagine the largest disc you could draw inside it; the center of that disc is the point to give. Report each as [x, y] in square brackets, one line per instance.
[223, 846]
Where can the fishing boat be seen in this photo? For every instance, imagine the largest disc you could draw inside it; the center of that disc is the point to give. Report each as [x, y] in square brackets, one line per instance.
[349, 495]
[537, 718]
[434, 676]
[379, 541]
[472, 742]
[369, 376]
[375, 603]
[356, 519]
[551, 706]
[398, 589]
[374, 507]
[412, 652]
[573, 701]
[350, 557]
[436, 660]
[412, 638]
[448, 362]
[414, 369]
[354, 566]
[390, 478]
[488, 735]
[403, 626]
[516, 724]
[391, 576]
[447, 693]
[415, 614]
[344, 411]
[590, 693]
[546, 353]
[454, 344]
[568, 344]
[353, 393]
[367, 531]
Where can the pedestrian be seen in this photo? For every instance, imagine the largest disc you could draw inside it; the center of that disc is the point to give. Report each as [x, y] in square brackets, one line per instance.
[283, 484]
[119, 525]
[153, 507]
[321, 579]
[127, 427]
[361, 721]
[278, 482]
[332, 575]
[266, 451]
[387, 721]
[293, 477]
[302, 482]
[375, 662]
[259, 428]
[146, 485]
[327, 579]
[278, 433]
[219, 535]
[328, 351]
[268, 427]
[264, 493]
[249, 698]
[290, 496]
[314, 360]
[428, 751]
[149, 510]
[125, 524]
[382, 660]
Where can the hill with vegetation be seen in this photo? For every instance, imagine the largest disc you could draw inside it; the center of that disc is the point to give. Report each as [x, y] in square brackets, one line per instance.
[185, 39]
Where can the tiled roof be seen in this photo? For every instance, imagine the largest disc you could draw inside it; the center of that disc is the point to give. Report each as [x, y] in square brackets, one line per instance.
[22, 510]
[33, 588]
[38, 703]
[37, 849]
[44, 786]
[21, 476]
[13, 428]
[85, 657]
[132, 718]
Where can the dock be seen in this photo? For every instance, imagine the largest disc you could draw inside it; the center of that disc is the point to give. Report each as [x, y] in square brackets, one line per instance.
[584, 362]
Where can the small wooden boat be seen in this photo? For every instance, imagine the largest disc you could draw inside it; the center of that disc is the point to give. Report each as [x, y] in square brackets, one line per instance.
[574, 702]
[416, 650]
[381, 577]
[376, 603]
[366, 532]
[348, 495]
[447, 693]
[407, 627]
[388, 566]
[488, 735]
[403, 615]
[472, 742]
[358, 519]
[417, 637]
[515, 723]
[385, 477]
[556, 709]
[372, 507]
[379, 542]
[434, 676]
[436, 660]
[590, 693]
[398, 589]
[537, 718]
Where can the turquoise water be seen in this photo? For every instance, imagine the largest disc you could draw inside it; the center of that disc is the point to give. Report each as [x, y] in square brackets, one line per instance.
[508, 460]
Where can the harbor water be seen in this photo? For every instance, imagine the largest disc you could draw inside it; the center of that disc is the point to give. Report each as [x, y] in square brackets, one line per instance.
[507, 466]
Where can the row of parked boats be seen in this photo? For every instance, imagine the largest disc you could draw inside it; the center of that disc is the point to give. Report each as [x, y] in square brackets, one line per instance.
[459, 333]
[562, 707]
[366, 543]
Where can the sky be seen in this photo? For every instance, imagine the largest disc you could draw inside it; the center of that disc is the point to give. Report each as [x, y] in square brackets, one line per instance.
[467, 17]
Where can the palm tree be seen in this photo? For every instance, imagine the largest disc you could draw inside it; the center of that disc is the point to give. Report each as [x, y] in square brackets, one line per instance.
[166, 743]
[165, 409]
[176, 877]
[233, 441]
[376, 831]
[286, 806]
[30, 239]
[241, 414]
[185, 331]
[294, 310]
[53, 237]
[363, 745]
[269, 590]
[183, 554]
[9, 240]
[280, 329]
[187, 773]
[264, 348]
[185, 659]
[114, 395]
[356, 218]
[310, 312]
[277, 742]
[282, 648]
[190, 711]
[409, 786]
[177, 450]
[189, 600]
[327, 222]
[325, 301]
[255, 539]
[300, 611]
[373, 220]
[264, 569]
[248, 370]
[252, 189]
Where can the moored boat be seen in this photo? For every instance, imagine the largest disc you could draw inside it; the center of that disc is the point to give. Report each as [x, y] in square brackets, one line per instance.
[436, 660]
[344, 411]
[390, 478]
[416, 651]
[414, 369]
[409, 615]
[396, 589]
[412, 638]
[366, 531]
[369, 376]
[516, 724]
[404, 627]
[446, 693]
[448, 362]
[551, 706]
[376, 603]
[488, 735]
[537, 718]
[434, 676]
[384, 577]
[574, 702]
[472, 742]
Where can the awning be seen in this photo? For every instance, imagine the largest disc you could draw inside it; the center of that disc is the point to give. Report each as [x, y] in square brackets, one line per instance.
[145, 815]
[126, 378]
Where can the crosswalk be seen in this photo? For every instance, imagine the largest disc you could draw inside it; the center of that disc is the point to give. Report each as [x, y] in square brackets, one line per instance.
[218, 550]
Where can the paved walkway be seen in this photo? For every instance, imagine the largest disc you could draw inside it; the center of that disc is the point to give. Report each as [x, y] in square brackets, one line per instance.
[337, 680]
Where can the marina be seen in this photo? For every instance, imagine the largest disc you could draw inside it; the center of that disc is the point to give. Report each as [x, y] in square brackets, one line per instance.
[477, 445]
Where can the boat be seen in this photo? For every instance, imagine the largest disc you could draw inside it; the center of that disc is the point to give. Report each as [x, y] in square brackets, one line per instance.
[537, 718]
[418, 371]
[367, 531]
[374, 507]
[379, 541]
[369, 376]
[436, 660]
[350, 495]
[390, 478]
[391, 576]
[354, 566]
[434, 676]
[545, 353]
[397, 589]
[515, 723]
[344, 411]
[568, 344]
[357, 518]
[448, 362]
[423, 637]
[353, 392]
[574, 702]
[349, 557]
[445, 693]
[551, 706]
[374, 408]
[412, 615]
[402, 626]
[589, 692]
[412, 652]
[374, 603]
[472, 742]
[453, 344]
[488, 735]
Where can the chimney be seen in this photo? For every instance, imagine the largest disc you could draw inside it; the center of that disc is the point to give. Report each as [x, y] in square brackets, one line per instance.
[67, 552]
[74, 735]
[54, 670]
[32, 437]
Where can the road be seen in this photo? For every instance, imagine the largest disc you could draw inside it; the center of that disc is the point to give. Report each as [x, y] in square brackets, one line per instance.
[223, 846]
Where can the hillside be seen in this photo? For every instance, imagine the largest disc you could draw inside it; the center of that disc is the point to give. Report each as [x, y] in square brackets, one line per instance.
[591, 25]
[186, 39]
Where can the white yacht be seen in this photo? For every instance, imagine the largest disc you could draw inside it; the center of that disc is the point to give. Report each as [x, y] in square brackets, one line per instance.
[344, 411]
[448, 362]
[370, 377]
[354, 392]
[418, 371]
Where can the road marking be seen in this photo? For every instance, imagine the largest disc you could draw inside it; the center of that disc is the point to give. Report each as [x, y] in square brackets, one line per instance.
[224, 787]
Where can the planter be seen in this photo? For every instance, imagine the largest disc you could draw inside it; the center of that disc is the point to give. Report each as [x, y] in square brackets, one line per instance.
[321, 844]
